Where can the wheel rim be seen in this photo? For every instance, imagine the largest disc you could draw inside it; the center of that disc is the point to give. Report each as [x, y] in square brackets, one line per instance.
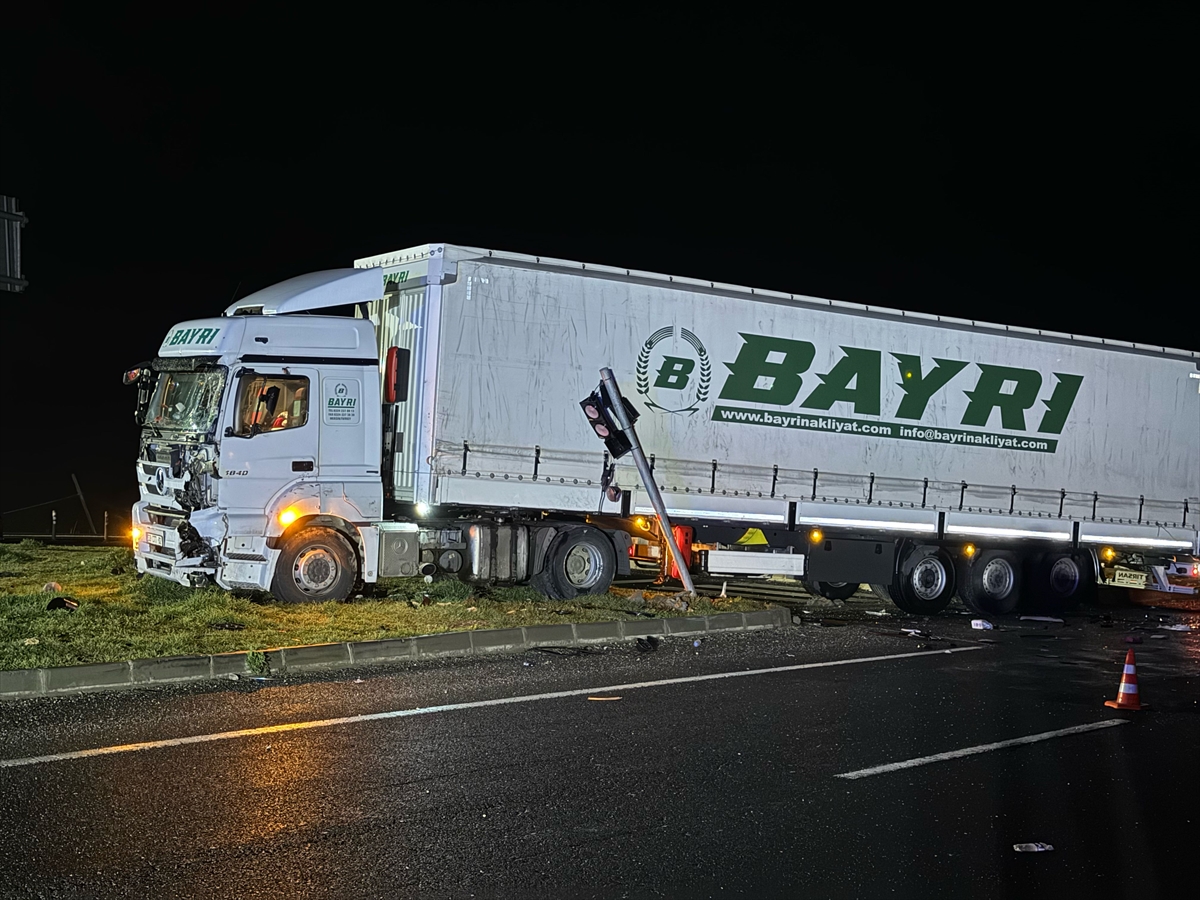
[315, 570]
[929, 578]
[998, 579]
[584, 566]
[1064, 577]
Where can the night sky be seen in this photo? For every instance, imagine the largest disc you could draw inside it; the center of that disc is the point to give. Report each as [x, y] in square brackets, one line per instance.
[1032, 168]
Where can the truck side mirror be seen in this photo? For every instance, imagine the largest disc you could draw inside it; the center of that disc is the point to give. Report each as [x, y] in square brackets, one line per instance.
[395, 375]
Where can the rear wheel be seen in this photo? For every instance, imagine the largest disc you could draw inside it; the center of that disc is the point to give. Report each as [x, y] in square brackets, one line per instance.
[991, 584]
[580, 561]
[925, 584]
[1061, 581]
[315, 565]
[832, 590]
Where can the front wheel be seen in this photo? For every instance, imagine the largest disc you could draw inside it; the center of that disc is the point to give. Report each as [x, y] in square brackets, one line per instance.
[580, 561]
[315, 565]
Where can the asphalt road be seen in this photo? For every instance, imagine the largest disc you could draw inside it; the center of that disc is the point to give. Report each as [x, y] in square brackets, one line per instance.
[701, 787]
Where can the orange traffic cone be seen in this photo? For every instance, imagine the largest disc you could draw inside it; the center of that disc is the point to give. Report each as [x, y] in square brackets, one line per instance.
[1127, 693]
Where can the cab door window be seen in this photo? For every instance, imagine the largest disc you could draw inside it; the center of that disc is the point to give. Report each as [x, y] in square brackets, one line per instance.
[271, 403]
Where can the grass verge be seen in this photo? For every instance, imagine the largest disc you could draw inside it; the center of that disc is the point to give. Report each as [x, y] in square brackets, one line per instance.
[123, 617]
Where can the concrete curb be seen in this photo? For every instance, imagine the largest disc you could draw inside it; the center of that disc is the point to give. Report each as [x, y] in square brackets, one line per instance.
[20, 683]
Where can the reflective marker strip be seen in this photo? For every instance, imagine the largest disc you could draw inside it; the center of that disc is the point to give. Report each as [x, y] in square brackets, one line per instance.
[451, 707]
[1130, 670]
[1128, 687]
[981, 748]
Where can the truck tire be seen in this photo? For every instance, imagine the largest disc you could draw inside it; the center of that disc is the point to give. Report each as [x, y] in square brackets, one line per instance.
[315, 565]
[991, 584]
[882, 591]
[579, 561]
[926, 582]
[1061, 581]
[832, 590]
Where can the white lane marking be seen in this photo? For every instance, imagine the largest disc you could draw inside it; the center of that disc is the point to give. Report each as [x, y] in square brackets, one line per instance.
[450, 707]
[981, 748]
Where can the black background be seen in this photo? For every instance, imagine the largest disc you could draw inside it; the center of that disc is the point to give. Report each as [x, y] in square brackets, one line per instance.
[1027, 166]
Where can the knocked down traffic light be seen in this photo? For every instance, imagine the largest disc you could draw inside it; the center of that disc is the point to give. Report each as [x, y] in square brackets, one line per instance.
[603, 420]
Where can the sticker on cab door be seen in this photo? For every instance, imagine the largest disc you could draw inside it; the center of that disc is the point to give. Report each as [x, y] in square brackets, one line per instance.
[340, 405]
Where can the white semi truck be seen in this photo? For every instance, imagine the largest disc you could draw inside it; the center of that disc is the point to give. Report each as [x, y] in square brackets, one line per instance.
[419, 414]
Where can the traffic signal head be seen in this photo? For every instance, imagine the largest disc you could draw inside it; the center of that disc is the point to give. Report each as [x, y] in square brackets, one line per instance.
[604, 423]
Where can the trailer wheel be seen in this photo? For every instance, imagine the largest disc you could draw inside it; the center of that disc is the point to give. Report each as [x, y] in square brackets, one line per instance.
[882, 591]
[579, 561]
[991, 585]
[315, 565]
[926, 582]
[1061, 580]
[832, 590]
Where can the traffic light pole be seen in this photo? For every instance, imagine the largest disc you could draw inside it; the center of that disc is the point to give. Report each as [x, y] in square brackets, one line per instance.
[608, 383]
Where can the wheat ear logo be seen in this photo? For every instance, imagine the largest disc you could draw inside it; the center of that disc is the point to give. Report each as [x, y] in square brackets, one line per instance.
[672, 365]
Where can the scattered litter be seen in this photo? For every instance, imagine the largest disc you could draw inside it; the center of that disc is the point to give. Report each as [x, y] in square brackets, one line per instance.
[1037, 847]
[1132, 639]
[1158, 637]
[63, 603]
[914, 632]
[426, 599]
[262, 678]
[604, 698]
[879, 612]
[510, 612]
[724, 584]
[982, 625]
[1042, 619]
[268, 746]
[443, 603]
[233, 676]
[696, 643]
[1175, 627]
[29, 642]
[637, 598]
[52, 587]
[986, 641]
[358, 681]
[527, 663]
[647, 644]
[227, 626]
[473, 608]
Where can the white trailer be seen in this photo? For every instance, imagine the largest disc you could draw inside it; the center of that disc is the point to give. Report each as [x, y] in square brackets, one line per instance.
[439, 430]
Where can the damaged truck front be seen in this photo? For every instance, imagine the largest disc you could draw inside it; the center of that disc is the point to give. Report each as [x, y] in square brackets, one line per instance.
[177, 528]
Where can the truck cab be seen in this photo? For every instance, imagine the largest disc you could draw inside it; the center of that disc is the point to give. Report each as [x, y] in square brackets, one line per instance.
[254, 425]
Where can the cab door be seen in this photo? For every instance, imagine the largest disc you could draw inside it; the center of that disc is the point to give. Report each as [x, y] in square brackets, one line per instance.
[271, 441]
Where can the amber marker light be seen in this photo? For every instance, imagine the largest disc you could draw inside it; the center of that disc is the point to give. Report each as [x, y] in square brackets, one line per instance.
[969, 551]
[135, 533]
[816, 535]
[1109, 554]
[287, 517]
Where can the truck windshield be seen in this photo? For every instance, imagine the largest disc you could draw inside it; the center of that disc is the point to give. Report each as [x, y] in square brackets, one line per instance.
[186, 401]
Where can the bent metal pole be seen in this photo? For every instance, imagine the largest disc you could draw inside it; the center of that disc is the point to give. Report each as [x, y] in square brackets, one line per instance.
[609, 382]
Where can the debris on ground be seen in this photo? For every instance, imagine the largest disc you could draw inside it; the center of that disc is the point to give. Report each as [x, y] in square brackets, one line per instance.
[677, 602]
[637, 598]
[1158, 637]
[52, 587]
[604, 698]
[982, 625]
[66, 603]
[29, 642]
[696, 643]
[877, 612]
[227, 626]
[647, 644]
[1042, 619]
[1036, 847]
[1176, 627]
